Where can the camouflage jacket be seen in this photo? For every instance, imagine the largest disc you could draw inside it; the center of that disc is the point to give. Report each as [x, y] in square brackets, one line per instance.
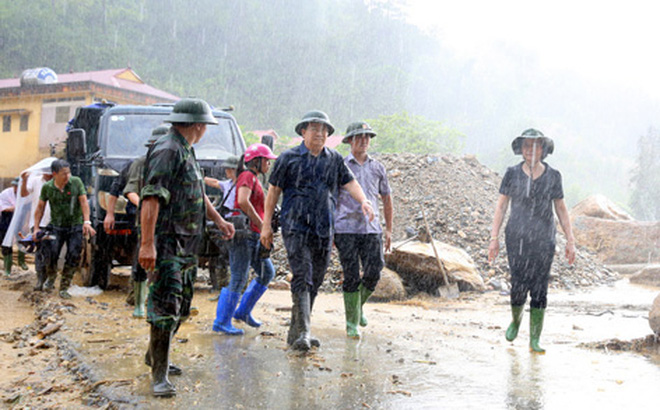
[172, 174]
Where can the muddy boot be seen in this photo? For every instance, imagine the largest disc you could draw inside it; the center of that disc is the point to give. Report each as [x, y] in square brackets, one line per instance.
[535, 327]
[159, 348]
[352, 309]
[301, 303]
[253, 293]
[225, 312]
[364, 295]
[130, 298]
[517, 313]
[173, 370]
[65, 282]
[41, 278]
[294, 330]
[49, 284]
[21, 260]
[140, 290]
[312, 340]
[7, 257]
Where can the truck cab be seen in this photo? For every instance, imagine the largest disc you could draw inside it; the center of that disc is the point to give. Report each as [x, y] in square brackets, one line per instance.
[102, 140]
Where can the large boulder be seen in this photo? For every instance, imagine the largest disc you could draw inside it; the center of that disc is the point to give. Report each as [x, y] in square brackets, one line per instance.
[649, 275]
[654, 316]
[612, 234]
[618, 241]
[415, 262]
[598, 206]
[390, 287]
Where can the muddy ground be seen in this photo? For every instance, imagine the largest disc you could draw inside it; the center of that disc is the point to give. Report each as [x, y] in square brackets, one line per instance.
[425, 352]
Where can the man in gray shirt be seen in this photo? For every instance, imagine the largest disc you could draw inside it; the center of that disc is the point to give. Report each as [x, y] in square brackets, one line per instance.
[357, 239]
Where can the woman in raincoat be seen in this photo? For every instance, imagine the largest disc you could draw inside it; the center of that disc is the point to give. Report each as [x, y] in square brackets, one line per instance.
[244, 250]
[533, 188]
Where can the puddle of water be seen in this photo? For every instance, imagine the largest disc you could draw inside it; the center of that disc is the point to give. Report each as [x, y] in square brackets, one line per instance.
[437, 358]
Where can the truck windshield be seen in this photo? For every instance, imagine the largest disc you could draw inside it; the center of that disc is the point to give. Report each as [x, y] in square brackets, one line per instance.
[128, 134]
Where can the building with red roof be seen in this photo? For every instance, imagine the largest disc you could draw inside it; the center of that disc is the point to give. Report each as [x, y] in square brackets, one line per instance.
[36, 107]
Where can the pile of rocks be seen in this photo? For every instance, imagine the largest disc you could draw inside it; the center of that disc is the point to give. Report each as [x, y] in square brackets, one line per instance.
[458, 196]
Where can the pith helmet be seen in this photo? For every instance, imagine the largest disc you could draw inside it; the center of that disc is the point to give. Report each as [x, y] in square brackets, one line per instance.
[315, 116]
[189, 110]
[357, 128]
[548, 143]
[231, 162]
[156, 133]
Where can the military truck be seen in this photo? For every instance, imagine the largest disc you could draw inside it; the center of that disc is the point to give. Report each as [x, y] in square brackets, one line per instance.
[102, 139]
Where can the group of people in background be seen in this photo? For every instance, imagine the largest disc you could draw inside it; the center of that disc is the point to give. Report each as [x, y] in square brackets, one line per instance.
[326, 199]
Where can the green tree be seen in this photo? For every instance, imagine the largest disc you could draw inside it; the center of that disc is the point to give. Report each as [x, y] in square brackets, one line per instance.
[403, 132]
[645, 198]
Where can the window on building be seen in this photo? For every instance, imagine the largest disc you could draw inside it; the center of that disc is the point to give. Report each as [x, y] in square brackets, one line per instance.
[62, 114]
[6, 123]
[24, 122]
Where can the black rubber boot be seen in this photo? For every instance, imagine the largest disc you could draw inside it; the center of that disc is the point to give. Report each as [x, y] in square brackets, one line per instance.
[301, 303]
[173, 370]
[159, 347]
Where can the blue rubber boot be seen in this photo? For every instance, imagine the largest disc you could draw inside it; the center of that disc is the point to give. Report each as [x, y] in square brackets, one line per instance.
[225, 311]
[253, 293]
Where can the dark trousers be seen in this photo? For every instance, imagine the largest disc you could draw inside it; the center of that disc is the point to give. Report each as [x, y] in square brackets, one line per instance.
[73, 238]
[356, 249]
[308, 257]
[530, 272]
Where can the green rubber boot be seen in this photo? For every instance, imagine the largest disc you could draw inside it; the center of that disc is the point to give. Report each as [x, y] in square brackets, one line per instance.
[364, 295]
[140, 290]
[8, 263]
[352, 308]
[517, 314]
[21, 260]
[535, 327]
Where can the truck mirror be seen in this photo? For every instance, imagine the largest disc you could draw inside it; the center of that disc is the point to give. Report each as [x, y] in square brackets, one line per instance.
[75, 143]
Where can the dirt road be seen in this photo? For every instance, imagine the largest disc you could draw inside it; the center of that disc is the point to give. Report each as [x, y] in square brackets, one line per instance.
[423, 353]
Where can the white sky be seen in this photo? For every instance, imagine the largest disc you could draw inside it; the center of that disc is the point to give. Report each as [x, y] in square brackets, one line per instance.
[615, 41]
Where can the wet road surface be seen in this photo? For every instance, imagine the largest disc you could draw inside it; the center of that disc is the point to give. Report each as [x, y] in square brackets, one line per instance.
[428, 353]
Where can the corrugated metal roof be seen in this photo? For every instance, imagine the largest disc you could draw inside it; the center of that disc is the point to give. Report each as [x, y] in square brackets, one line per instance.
[122, 78]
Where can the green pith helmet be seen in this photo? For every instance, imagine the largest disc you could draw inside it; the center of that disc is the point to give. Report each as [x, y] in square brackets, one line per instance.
[232, 162]
[191, 110]
[315, 116]
[357, 128]
[156, 133]
[548, 143]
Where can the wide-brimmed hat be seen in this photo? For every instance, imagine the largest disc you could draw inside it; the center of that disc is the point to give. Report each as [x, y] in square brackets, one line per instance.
[548, 143]
[357, 128]
[191, 110]
[315, 116]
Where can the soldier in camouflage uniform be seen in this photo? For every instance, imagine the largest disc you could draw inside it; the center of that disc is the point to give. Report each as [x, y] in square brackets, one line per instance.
[172, 217]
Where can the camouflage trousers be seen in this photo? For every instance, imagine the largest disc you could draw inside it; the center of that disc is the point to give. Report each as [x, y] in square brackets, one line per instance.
[171, 293]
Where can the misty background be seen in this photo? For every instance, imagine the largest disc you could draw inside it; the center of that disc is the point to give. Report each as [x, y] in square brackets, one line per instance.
[361, 60]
